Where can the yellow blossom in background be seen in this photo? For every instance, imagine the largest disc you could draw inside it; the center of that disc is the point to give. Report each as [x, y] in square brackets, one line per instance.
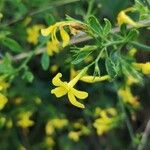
[74, 135]
[128, 97]
[56, 123]
[59, 123]
[3, 101]
[123, 18]
[3, 85]
[24, 119]
[49, 141]
[33, 34]
[49, 129]
[64, 88]
[106, 120]
[18, 100]
[144, 67]
[54, 45]
[54, 68]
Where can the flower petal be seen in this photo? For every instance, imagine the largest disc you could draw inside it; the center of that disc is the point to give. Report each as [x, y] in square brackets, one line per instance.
[59, 91]
[73, 100]
[79, 94]
[47, 31]
[92, 79]
[65, 37]
[56, 80]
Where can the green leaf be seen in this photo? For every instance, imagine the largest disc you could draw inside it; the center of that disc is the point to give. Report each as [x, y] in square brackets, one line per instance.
[95, 25]
[107, 27]
[132, 35]
[6, 67]
[45, 61]
[110, 67]
[96, 70]
[28, 76]
[12, 45]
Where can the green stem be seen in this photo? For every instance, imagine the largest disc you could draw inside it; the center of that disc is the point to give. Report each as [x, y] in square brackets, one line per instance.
[142, 46]
[129, 126]
[90, 7]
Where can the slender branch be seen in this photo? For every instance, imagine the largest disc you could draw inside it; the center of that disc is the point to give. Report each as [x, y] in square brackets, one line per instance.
[81, 37]
[35, 12]
[145, 136]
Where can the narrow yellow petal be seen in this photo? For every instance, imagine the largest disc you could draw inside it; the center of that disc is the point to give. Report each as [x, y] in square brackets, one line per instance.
[92, 79]
[56, 80]
[79, 94]
[73, 100]
[47, 31]
[65, 37]
[59, 91]
[123, 18]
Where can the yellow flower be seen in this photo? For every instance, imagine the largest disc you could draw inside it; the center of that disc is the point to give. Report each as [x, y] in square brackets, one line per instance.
[64, 88]
[24, 119]
[124, 18]
[144, 67]
[3, 101]
[105, 122]
[74, 135]
[128, 97]
[33, 34]
[52, 47]
[51, 30]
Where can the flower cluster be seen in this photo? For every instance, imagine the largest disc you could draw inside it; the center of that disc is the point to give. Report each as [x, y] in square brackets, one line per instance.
[107, 119]
[54, 45]
[33, 33]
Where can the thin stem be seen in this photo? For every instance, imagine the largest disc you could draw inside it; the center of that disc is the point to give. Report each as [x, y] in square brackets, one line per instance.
[142, 46]
[127, 120]
[145, 136]
[82, 38]
[90, 7]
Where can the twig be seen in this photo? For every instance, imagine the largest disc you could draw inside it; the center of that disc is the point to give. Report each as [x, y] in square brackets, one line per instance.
[145, 136]
[52, 5]
[81, 37]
